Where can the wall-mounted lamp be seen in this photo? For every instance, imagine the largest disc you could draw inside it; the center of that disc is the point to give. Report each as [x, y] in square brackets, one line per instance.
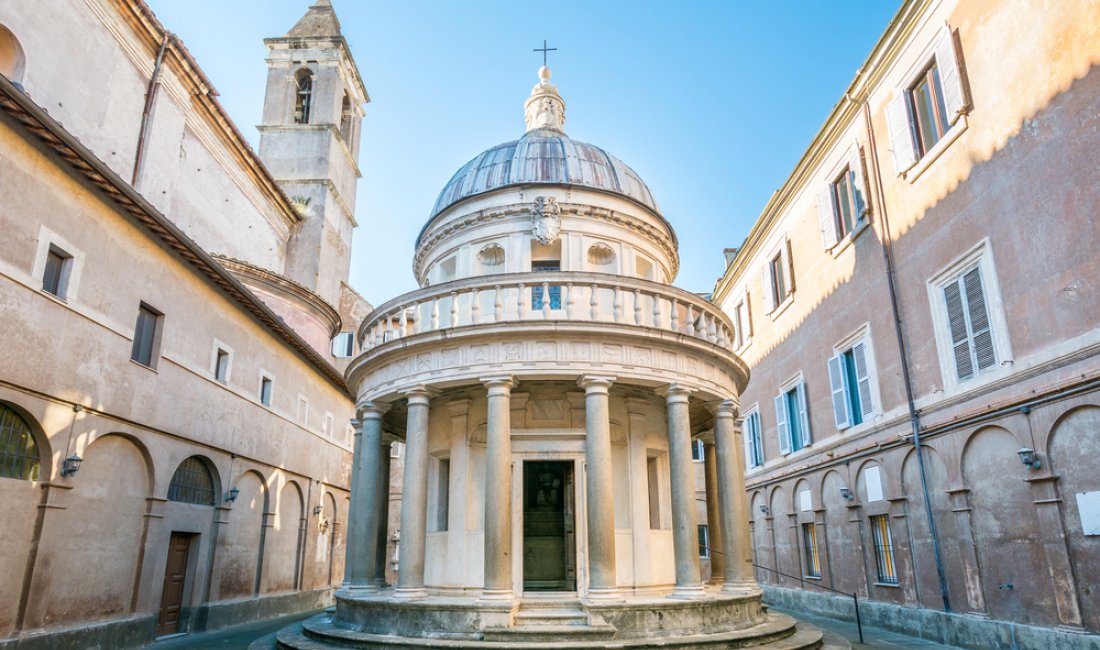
[1029, 457]
[232, 494]
[317, 510]
[846, 494]
[71, 465]
[764, 509]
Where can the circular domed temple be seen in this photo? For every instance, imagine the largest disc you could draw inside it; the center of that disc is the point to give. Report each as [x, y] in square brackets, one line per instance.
[547, 381]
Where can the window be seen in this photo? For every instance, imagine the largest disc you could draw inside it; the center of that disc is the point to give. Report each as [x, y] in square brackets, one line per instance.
[778, 278]
[343, 346]
[221, 365]
[442, 493]
[841, 205]
[850, 382]
[884, 549]
[810, 557]
[704, 540]
[972, 345]
[552, 292]
[792, 418]
[303, 96]
[654, 484]
[346, 119]
[55, 277]
[18, 450]
[742, 322]
[146, 336]
[697, 452]
[267, 385]
[192, 483]
[397, 449]
[923, 111]
[326, 425]
[754, 444]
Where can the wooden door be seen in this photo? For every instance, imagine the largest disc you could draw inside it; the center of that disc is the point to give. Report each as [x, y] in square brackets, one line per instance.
[175, 574]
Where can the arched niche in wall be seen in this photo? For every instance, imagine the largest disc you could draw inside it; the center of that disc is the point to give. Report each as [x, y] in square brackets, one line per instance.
[280, 571]
[491, 256]
[13, 62]
[240, 546]
[601, 255]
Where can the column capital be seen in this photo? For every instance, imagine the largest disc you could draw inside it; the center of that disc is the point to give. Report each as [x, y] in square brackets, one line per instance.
[499, 384]
[458, 407]
[420, 394]
[674, 393]
[727, 408]
[369, 411]
[596, 383]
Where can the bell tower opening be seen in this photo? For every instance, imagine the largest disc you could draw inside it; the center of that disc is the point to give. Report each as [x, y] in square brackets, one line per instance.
[549, 526]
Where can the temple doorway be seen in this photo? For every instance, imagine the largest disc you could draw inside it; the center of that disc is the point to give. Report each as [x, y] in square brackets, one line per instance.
[549, 526]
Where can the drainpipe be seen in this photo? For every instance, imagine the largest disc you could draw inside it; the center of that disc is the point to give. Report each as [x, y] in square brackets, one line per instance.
[150, 95]
[914, 415]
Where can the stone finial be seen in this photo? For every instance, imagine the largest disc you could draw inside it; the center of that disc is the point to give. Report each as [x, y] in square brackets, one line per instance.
[545, 108]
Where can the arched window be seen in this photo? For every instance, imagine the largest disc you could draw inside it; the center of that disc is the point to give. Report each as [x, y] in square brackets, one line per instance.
[18, 451]
[12, 61]
[192, 483]
[303, 96]
[345, 119]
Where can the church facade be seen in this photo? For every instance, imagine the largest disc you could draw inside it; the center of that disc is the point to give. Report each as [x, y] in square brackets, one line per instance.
[918, 309]
[175, 445]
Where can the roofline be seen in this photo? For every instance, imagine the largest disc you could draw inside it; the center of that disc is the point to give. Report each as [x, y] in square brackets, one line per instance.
[883, 52]
[83, 163]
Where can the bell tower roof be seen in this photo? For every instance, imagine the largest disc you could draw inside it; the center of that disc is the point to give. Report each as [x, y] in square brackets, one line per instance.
[320, 20]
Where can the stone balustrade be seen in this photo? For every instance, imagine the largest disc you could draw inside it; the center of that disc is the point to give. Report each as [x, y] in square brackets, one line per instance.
[546, 296]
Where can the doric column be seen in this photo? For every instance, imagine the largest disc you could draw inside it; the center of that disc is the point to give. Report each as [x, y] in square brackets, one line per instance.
[498, 490]
[382, 533]
[600, 489]
[364, 514]
[414, 497]
[732, 498]
[717, 550]
[685, 540]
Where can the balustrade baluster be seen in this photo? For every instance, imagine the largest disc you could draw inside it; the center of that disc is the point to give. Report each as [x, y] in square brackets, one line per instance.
[689, 322]
[656, 311]
[637, 306]
[569, 301]
[435, 313]
[546, 300]
[417, 325]
[372, 332]
[594, 303]
[618, 305]
[521, 308]
[404, 331]
[674, 315]
[498, 304]
[712, 329]
[385, 327]
[723, 340]
[475, 307]
[454, 309]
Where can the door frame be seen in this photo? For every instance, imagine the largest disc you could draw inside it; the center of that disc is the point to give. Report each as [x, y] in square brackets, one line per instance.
[194, 541]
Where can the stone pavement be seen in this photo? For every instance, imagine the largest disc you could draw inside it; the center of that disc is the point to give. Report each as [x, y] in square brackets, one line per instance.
[873, 637]
[234, 638]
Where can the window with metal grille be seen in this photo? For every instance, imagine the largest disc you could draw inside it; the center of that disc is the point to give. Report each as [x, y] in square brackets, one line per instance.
[192, 483]
[809, 550]
[968, 324]
[884, 549]
[18, 451]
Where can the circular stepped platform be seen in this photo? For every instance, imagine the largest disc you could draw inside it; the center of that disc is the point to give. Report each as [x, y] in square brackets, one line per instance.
[778, 632]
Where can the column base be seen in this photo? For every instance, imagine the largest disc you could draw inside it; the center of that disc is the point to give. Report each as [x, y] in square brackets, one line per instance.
[359, 588]
[604, 594]
[410, 593]
[689, 592]
[496, 595]
[740, 588]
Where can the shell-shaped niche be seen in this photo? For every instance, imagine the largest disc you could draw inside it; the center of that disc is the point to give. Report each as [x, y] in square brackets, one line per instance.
[491, 255]
[600, 254]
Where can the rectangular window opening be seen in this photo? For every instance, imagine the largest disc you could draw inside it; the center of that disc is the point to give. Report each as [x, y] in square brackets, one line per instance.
[55, 277]
[221, 366]
[928, 110]
[442, 493]
[343, 346]
[697, 452]
[809, 548]
[550, 292]
[884, 549]
[847, 203]
[753, 440]
[146, 335]
[704, 541]
[779, 283]
[266, 386]
[653, 476]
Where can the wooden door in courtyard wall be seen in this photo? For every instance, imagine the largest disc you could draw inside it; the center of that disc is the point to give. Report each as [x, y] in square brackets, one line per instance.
[175, 575]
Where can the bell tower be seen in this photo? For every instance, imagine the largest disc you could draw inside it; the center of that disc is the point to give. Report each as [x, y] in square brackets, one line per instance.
[309, 140]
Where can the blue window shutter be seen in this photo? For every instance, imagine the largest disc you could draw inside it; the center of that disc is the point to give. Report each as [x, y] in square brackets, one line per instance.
[782, 428]
[804, 415]
[839, 389]
[863, 378]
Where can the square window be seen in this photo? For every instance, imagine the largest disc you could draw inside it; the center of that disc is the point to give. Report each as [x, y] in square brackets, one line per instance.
[267, 385]
[343, 346]
[55, 277]
[147, 336]
[884, 549]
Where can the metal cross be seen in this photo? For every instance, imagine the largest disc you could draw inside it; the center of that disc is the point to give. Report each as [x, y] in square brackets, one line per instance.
[544, 50]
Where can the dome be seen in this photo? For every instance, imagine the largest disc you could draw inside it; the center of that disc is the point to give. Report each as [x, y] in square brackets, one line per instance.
[544, 156]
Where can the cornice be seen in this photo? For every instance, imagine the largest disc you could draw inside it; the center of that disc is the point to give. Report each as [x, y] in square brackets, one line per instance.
[284, 287]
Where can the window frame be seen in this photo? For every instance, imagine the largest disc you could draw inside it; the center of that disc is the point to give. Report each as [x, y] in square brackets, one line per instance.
[266, 377]
[885, 558]
[779, 258]
[754, 440]
[20, 460]
[742, 321]
[852, 394]
[702, 536]
[797, 385]
[216, 355]
[48, 241]
[59, 285]
[698, 450]
[930, 75]
[155, 339]
[345, 350]
[811, 554]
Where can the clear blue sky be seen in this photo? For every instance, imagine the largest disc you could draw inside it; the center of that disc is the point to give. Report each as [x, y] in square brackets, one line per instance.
[712, 103]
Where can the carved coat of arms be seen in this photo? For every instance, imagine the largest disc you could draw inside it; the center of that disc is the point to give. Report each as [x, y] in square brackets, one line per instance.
[546, 220]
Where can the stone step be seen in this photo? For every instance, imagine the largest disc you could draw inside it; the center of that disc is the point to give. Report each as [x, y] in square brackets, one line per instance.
[549, 616]
[550, 633]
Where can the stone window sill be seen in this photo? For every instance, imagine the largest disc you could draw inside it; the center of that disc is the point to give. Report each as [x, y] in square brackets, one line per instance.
[956, 130]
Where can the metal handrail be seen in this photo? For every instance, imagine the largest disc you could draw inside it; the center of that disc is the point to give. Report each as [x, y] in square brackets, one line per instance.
[802, 580]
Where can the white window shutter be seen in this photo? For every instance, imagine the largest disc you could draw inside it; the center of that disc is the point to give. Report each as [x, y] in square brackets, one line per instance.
[899, 125]
[757, 439]
[981, 337]
[804, 414]
[863, 379]
[826, 216]
[956, 325]
[783, 430]
[839, 389]
[766, 285]
[747, 435]
[788, 265]
[859, 184]
[748, 316]
[947, 60]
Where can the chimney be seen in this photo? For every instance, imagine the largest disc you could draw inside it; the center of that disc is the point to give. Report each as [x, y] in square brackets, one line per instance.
[731, 254]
